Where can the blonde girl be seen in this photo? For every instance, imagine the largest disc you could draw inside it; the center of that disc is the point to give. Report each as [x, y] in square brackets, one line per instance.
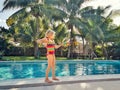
[48, 42]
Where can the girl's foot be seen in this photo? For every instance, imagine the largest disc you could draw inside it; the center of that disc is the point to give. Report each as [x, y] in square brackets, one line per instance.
[48, 81]
[55, 79]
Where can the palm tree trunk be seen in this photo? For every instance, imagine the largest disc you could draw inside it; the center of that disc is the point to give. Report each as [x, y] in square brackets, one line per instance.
[36, 55]
[68, 54]
[104, 51]
[61, 52]
[24, 49]
[83, 46]
[35, 50]
[70, 49]
[79, 52]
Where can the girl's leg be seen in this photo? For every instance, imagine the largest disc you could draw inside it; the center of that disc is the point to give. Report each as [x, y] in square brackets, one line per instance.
[48, 68]
[53, 68]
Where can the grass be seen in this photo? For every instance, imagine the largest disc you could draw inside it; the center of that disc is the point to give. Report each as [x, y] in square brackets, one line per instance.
[24, 58]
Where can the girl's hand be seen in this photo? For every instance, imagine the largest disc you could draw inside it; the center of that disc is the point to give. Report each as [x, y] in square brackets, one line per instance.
[58, 46]
[38, 41]
[66, 44]
[43, 40]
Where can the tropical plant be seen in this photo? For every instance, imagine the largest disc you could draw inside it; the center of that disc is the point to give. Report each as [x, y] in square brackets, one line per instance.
[19, 3]
[93, 26]
[71, 8]
[41, 14]
[96, 28]
[28, 28]
[61, 35]
[5, 35]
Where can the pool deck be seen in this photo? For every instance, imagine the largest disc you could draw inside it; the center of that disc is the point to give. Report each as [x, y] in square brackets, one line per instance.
[88, 82]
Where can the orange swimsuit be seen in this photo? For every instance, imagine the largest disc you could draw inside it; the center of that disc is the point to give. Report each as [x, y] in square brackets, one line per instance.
[50, 48]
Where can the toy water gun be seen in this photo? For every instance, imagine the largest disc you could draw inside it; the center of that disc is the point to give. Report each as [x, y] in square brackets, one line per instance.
[66, 43]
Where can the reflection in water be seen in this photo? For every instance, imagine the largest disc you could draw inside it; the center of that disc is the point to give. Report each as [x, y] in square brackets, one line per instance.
[79, 69]
[72, 68]
[63, 70]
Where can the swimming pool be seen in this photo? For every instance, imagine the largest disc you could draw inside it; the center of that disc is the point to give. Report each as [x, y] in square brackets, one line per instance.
[36, 69]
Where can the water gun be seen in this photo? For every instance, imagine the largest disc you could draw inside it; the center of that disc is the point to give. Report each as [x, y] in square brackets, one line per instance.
[66, 43]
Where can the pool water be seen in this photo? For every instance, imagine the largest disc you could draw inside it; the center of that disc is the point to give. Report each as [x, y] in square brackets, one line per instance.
[36, 69]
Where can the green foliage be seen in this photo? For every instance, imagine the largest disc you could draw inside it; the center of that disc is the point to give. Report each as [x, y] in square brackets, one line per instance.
[114, 51]
[17, 3]
[26, 58]
[98, 51]
[4, 41]
[91, 23]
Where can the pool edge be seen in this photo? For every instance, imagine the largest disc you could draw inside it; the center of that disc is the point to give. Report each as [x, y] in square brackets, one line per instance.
[26, 83]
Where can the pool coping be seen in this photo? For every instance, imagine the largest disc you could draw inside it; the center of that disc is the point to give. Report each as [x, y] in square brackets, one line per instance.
[40, 60]
[38, 82]
[59, 61]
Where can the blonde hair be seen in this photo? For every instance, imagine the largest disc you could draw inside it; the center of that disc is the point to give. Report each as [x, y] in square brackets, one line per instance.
[49, 32]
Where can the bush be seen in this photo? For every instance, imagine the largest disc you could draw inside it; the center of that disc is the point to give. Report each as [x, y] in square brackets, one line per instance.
[114, 51]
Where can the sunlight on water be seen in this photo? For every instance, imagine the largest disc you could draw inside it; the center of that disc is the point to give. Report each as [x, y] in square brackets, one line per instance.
[20, 70]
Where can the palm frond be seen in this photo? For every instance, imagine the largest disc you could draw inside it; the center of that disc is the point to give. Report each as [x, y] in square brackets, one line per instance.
[55, 2]
[17, 3]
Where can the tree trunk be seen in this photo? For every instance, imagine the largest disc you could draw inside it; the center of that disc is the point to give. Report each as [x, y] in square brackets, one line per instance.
[104, 51]
[61, 52]
[24, 49]
[68, 54]
[79, 52]
[83, 46]
[70, 49]
[36, 54]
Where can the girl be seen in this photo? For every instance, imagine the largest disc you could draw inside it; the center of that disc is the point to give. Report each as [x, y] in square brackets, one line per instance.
[48, 42]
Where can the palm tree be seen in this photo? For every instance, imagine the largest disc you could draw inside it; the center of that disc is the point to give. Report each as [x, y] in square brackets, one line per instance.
[26, 28]
[72, 9]
[112, 41]
[41, 13]
[95, 26]
[63, 10]
[61, 34]
[21, 3]
[5, 35]
[18, 3]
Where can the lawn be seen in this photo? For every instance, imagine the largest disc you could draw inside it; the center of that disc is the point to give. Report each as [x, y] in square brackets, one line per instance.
[19, 58]
[25, 58]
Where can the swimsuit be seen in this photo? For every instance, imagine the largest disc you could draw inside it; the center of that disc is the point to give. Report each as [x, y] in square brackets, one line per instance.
[50, 48]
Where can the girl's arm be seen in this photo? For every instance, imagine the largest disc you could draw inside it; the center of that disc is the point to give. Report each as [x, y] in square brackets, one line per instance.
[58, 46]
[40, 41]
[63, 44]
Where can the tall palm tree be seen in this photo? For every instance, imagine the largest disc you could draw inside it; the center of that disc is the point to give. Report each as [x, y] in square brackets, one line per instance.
[61, 34]
[95, 26]
[18, 3]
[72, 9]
[21, 3]
[69, 11]
[5, 35]
[25, 27]
[41, 14]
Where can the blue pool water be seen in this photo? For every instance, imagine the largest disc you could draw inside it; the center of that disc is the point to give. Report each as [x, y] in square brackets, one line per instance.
[36, 69]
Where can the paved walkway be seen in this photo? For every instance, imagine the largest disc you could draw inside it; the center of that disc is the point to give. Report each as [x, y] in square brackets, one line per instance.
[89, 82]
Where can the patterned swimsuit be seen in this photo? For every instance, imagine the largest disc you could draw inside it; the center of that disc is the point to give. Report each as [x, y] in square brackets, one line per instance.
[50, 48]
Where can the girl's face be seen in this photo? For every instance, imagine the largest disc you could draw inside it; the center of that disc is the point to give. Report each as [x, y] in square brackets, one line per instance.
[51, 36]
